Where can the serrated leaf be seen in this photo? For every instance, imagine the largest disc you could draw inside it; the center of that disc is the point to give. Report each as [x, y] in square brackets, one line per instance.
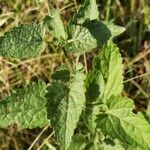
[83, 38]
[55, 25]
[68, 102]
[26, 107]
[105, 80]
[24, 41]
[56, 91]
[119, 122]
[115, 29]
[89, 11]
[62, 73]
[109, 63]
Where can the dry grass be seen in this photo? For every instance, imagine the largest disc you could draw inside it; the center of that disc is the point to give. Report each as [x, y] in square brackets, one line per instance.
[134, 44]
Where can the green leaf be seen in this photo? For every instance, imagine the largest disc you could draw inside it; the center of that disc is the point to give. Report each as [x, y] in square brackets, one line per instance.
[78, 142]
[90, 116]
[94, 146]
[119, 122]
[55, 25]
[109, 63]
[105, 80]
[66, 104]
[83, 38]
[26, 107]
[56, 91]
[115, 30]
[24, 41]
[89, 11]
[148, 111]
[117, 146]
[62, 73]
[94, 87]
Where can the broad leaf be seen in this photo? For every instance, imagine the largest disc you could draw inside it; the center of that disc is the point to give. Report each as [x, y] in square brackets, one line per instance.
[83, 38]
[89, 11]
[109, 63]
[115, 30]
[66, 104]
[24, 41]
[26, 107]
[119, 122]
[55, 25]
[56, 91]
[105, 80]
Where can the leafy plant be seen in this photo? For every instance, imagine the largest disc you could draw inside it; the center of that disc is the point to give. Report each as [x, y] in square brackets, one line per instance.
[86, 110]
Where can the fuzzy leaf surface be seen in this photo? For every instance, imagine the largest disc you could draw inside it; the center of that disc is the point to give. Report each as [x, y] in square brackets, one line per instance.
[55, 25]
[83, 38]
[26, 107]
[105, 80]
[89, 11]
[109, 64]
[68, 102]
[24, 41]
[120, 122]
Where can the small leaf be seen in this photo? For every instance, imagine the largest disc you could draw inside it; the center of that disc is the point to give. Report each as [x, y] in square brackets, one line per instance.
[24, 41]
[83, 38]
[119, 122]
[62, 73]
[89, 11]
[78, 142]
[26, 107]
[109, 63]
[66, 104]
[115, 30]
[55, 25]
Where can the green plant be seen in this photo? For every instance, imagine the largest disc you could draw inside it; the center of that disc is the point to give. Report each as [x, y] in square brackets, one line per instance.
[86, 110]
